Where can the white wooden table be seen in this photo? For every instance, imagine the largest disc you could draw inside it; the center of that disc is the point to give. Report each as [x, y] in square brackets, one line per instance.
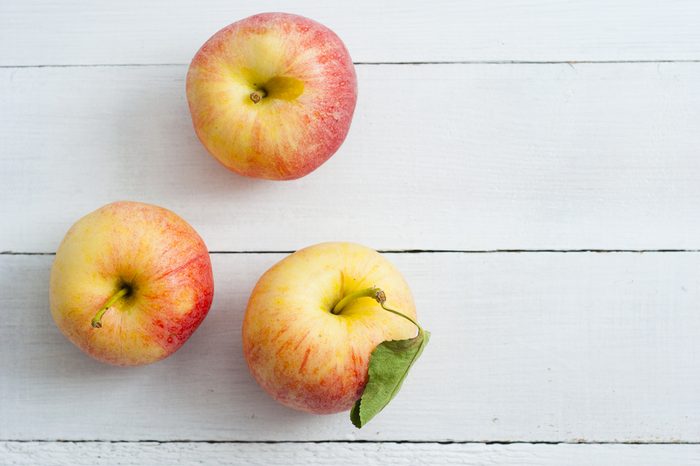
[533, 167]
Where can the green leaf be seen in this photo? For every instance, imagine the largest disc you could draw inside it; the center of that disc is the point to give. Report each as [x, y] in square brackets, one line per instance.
[388, 366]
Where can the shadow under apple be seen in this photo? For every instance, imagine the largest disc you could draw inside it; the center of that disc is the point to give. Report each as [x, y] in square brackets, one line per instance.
[203, 391]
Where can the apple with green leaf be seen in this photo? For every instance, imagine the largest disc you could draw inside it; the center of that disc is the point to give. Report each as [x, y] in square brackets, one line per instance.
[272, 96]
[330, 328]
[130, 283]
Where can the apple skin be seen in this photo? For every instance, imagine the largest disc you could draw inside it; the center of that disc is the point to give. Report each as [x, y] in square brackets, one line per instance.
[306, 357]
[312, 91]
[155, 253]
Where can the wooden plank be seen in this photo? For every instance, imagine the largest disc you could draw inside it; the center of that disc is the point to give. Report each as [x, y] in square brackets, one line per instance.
[439, 157]
[350, 454]
[40, 32]
[526, 347]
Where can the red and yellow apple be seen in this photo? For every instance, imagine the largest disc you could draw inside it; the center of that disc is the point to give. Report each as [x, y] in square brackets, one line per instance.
[302, 353]
[130, 283]
[272, 96]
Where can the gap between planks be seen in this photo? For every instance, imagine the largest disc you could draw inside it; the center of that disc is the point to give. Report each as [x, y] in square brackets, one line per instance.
[376, 63]
[348, 442]
[433, 251]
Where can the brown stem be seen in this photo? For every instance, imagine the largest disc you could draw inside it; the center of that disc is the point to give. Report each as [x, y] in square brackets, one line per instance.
[258, 95]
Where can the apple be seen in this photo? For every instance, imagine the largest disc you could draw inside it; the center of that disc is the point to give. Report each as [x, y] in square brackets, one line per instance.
[310, 325]
[272, 95]
[130, 283]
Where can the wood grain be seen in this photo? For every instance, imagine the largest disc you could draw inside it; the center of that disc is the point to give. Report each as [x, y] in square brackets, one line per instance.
[261, 454]
[526, 347]
[42, 32]
[439, 157]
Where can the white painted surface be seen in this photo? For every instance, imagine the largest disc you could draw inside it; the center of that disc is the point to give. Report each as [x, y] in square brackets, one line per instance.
[379, 454]
[526, 346]
[502, 156]
[170, 31]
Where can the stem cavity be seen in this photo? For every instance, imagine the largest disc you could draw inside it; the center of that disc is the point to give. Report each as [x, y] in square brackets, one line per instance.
[97, 320]
[366, 293]
[375, 293]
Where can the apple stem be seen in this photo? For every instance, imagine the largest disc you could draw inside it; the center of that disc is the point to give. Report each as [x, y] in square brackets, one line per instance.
[366, 293]
[96, 321]
[257, 96]
[378, 295]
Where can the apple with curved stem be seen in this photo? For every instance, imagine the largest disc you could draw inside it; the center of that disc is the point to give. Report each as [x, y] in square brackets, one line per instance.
[130, 283]
[315, 319]
[272, 96]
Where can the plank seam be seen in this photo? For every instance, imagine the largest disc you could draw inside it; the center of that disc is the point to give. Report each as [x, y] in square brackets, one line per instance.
[398, 442]
[431, 251]
[369, 63]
